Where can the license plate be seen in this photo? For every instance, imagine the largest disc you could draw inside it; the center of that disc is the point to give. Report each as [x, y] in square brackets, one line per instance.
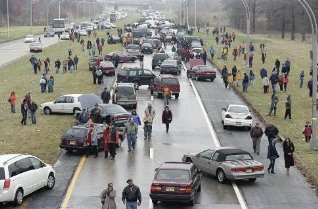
[169, 189]
[249, 170]
[72, 142]
[238, 123]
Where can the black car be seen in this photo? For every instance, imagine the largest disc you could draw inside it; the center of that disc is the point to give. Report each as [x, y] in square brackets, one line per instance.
[175, 182]
[114, 40]
[170, 67]
[158, 59]
[137, 76]
[146, 48]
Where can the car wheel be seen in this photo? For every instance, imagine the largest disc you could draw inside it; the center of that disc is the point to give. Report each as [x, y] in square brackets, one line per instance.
[199, 188]
[47, 111]
[249, 128]
[221, 176]
[136, 84]
[155, 202]
[75, 110]
[252, 180]
[177, 95]
[134, 106]
[197, 77]
[50, 181]
[191, 203]
[18, 198]
[224, 126]
[188, 160]
[212, 79]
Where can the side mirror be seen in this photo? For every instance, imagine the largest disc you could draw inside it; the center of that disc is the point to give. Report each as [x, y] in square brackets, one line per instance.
[224, 109]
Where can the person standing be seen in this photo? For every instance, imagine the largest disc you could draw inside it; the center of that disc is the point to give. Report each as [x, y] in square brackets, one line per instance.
[33, 108]
[75, 60]
[274, 79]
[307, 131]
[111, 139]
[204, 56]
[91, 141]
[131, 131]
[12, 100]
[166, 94]
[105, 96]
[288, 107]
[245, 82]
[265, 83]
[107, 197]
[287, 65]
[135, 117]
[235, 54]
[99, 74]
[167, 117]
[89, 47]
[302, 78]
[24, 112]
[271, 132]
[150, 110]
[148, 119]
[141, 61]
[39, 64]
[43, 83]
[273, 107]
[285, 82]
[277, 65]
[131, 195]
[263, 57]
[50, 84]
[288, 148]
[272, 155]
[57, 66]
[256, 134]
[212, 51]
[234, 72]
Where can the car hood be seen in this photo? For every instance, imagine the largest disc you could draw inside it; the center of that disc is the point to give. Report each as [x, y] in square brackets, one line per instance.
[47, 104]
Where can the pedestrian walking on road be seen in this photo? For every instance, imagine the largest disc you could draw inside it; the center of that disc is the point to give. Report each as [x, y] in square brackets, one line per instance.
[288, 107]
[148, 119]
[131, 132]
[204, 56]
[91, 142]
[273, 107]
[131, 195]
[256, 134]
[135, 117]
[271, 132]
[167, 117]
[307, 131]
[141, 61]
[166, 94]
[212, 51]
[24, 111]
[150, 110]
[33, 108]
[107, 197]
[288, 148]
[111, 140]
[105, 96]
[12, 100]
[272, 155]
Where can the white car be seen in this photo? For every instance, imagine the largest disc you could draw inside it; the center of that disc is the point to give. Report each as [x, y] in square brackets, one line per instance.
[29, 39]
[237, 115]
[70, 103]
[36, 47]
[65, 36]
[82, 32]
[21, 175]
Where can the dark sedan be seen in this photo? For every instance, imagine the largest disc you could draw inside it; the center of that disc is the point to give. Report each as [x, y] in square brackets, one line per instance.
[170, 67]
[114, 40]
[146, 48]
[123, 57]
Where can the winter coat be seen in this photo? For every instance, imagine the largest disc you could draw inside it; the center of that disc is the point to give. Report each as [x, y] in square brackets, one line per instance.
[93, 139]
[108, 138]
[263, 73]
[131, 194]
[256, 132]
[272, 151]
[12, 99]
[273, 78]
[271, 131]
[265, 81]
[166, 116]
[307, 130]
[108, 201]
[289, 159]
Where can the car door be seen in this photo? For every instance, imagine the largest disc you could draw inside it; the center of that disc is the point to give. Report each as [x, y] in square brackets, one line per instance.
[204, 160]
[40, 173]
[132, 76]
[69, 104]
[58, 105]
[214, 162]
[147, 76]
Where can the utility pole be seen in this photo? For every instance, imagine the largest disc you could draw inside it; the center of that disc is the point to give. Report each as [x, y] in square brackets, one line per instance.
[195, 16]
[31, 15]
[8, 21]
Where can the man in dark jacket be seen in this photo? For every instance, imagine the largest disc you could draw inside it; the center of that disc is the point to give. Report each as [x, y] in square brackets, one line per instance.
[245, 82]
[234, 72]
[271, 132]
[273, 79]
[131, 195]
[96, 114]
[263, 73]
[75, 60]
[256, 135]
[105, 96]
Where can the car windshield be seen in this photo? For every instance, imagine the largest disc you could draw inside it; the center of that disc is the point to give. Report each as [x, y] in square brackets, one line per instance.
[205, 68]
[238, 109]
[197, 50]
[76, 132]
[2, 176]
[169, 63]
[125, 90]
[147, 44]
[242, 156]
[170, 81]
[170, 174]
[113, 109]
[160, 56]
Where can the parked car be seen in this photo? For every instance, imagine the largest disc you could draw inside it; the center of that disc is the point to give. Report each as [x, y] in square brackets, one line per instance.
[107, 67]
[202, 72]
[114, 40]
[227, 163]
[22, 174]
[237, 115]
[125, 95]
[49, 33]
[36, 47]
[65, 36]
[158, 84]
[174, 56]
[133, 50]
[29, 39]
[70, 103]
[137, 76]
[195, 62]
[111, 113]
[82, 32]
[170, 67]
[75, 137]
[123, 57]
[92, 62]
[196, 52]
[146, 48]
[175, 182]
[158, 58]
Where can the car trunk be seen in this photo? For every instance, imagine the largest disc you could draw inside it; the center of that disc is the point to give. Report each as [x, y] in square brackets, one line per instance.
[171, 186]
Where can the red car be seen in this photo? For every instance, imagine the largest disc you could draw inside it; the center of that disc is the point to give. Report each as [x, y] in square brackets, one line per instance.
[202, 72]
[194, 62]
[123, 57]
[158, 84]
[107, 67]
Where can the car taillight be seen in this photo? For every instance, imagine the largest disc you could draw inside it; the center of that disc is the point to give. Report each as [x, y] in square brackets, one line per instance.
[258, 168]
[185, 189]
[228, 116]
[248, 117]
[6, 184]
[155, 188]
[238, 169]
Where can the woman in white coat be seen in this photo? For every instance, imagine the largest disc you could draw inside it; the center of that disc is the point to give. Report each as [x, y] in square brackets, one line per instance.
[107, 197]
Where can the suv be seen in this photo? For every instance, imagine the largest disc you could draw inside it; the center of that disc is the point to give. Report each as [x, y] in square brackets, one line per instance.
[158, 58]
[125, 95]
[175, 181]
[21, 175]
[158, 84]
[137, 76]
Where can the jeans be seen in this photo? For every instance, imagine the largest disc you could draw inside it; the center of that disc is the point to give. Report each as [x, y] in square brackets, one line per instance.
[147, 132]
[166, 99]
[256, 144]
[43, 89]
[131, 205]
[131, 139]
[12, 108]
[271, 165]
[245, 85]
[274, 87]
[57, 70]
[33, 117]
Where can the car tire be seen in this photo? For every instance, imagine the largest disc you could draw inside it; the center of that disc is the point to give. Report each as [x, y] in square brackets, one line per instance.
[18, 198]
[188, 160]
[177, 96]
[249, 128]
[134, 106]
[155, 202]
[212, 79]
[191, 203]
[75, 110]
[199, 188]
[224, 126]
[252, 180]
[221, 176]
[50, 181]
[47, 111]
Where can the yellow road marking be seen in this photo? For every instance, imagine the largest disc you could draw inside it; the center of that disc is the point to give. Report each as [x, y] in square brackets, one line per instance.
[73, 182]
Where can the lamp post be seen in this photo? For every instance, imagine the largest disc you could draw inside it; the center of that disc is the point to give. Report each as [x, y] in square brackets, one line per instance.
[195, 16]
[47, 12]
[31, 14]
[187, 14]
[248, 22]
[8, 21]
[60, 8]
[314, 30]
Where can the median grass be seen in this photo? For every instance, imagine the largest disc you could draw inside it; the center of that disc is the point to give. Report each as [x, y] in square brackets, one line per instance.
[298, 53]
[42, 139]
[17, 32]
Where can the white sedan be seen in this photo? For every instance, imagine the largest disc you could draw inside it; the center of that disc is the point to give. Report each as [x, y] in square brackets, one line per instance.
[65, 36]
[82, 32]
[237, 115]
[29, 39]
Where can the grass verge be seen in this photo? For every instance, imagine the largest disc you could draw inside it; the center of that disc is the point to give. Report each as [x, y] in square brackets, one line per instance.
[17, 32]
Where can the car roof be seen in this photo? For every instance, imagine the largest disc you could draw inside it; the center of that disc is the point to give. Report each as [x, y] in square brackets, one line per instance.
[231, 150]
[176, 165]
[237, 105]
[169, 62]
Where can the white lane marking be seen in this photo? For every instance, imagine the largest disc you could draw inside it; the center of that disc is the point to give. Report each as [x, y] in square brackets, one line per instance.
[151, 153]
[216, 140]
[150, 204]
[151, 98]
[6, 46]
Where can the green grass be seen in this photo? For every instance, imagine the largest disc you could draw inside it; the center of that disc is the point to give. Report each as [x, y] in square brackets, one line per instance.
[17, 32]
[42, 140]
[298, 52]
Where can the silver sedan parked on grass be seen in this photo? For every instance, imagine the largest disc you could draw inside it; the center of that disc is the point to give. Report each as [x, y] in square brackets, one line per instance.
[227, 163]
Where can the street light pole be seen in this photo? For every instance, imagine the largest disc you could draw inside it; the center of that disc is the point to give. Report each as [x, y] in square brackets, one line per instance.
[8, 21]
[314, 30]
[195, 16]
[47, 12]
[248, 22]
[188, 14]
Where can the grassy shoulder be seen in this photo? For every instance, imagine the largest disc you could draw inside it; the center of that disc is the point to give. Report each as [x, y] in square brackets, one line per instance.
[43, 139]
[18, 32]
[298, 53]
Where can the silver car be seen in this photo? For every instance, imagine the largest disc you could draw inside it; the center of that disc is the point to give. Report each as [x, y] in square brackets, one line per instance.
[227, 163]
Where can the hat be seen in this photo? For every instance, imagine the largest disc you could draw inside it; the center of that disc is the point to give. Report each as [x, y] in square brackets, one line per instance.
[105, 88]
[129, 180]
